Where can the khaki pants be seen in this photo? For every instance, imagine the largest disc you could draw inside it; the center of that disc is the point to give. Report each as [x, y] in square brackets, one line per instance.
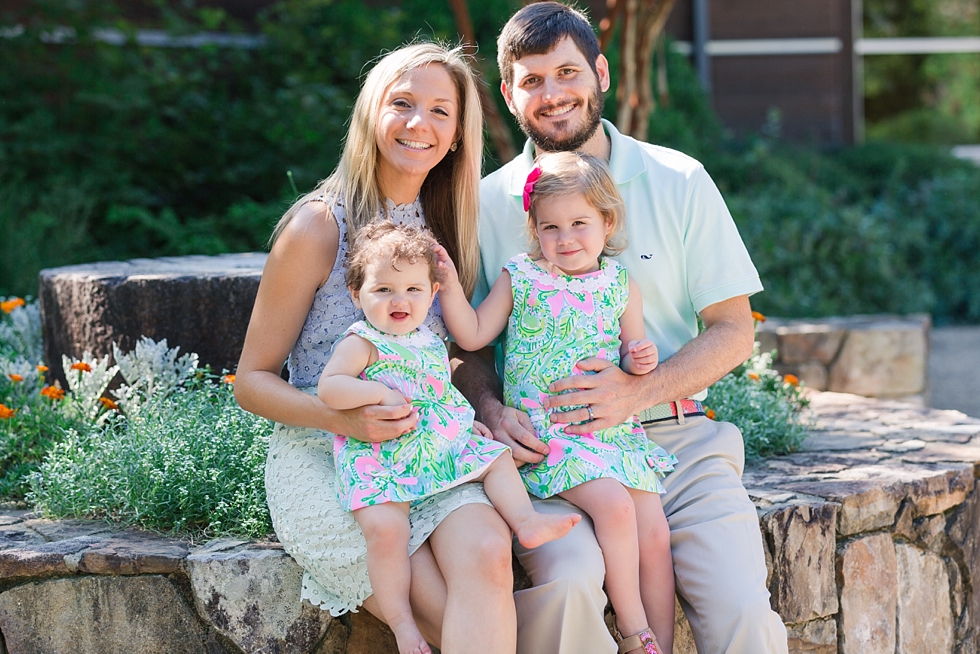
[719, 565]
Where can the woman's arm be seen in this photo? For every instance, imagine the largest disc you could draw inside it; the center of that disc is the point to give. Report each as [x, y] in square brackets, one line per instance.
[300, 262]
[341, 387]
[638, 354]
[472, 329]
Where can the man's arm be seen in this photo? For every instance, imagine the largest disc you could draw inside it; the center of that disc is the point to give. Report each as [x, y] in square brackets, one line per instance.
[614, 395]
[475, 376]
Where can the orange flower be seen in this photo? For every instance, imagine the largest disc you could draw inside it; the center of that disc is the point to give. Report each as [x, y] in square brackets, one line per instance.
[109, 404]
[758, 317]
[81, 365]
[710, 413]
[42, 368]
[792, 380]
[228, 379]
[753, 376]
[53, 392]
[6, 412]
[14, 376]
[10, 305]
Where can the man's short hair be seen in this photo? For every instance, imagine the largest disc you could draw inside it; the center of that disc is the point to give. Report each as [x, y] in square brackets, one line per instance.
[537, 28]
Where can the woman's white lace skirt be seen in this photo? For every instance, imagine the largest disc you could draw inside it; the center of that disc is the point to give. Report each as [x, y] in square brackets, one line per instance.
[323, 538]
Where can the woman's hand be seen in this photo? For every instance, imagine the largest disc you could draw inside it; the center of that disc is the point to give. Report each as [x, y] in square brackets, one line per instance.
[375, 423]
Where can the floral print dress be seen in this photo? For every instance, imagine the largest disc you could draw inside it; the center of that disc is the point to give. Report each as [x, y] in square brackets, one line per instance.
[557, 321]
[440, 453]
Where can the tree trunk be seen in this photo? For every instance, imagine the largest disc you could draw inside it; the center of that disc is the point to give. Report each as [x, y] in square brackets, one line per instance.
[642, 24]
[500, 135]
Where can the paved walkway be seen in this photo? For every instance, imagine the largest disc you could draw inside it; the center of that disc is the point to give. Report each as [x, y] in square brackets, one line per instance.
[954, 369]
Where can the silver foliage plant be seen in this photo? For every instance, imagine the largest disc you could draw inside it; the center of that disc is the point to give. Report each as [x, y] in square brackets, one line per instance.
[21, 332]
[87, 386]
[151, 369]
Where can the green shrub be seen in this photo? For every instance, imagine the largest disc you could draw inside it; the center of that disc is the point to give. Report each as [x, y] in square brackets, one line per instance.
[768, 409]
[189, 461]
[173, 452]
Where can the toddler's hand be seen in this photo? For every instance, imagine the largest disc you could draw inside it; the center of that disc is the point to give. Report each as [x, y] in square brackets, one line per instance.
[393, 398]
[446, 273]
[644, 355]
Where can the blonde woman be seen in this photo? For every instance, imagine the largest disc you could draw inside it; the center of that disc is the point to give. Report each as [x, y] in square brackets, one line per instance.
[412, 155]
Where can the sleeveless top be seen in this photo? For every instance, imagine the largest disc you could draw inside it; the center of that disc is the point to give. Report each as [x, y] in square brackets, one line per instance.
[440, 453]
[557, 321]
[333, 310]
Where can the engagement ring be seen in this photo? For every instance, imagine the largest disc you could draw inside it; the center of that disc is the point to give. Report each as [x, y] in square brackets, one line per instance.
[589, 409]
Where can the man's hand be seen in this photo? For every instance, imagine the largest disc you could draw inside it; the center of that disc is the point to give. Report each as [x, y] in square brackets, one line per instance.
[513, 428]
[613, 395]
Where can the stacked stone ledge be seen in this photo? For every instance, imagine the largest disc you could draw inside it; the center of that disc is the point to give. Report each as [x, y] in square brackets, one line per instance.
[871, 534]
[874, 355]
[871, 537]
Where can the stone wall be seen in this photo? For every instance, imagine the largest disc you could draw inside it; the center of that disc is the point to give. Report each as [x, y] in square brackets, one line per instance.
[874, 355]
[872, 540]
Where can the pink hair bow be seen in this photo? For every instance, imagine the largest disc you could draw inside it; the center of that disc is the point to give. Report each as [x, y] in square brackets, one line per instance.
[532, 177]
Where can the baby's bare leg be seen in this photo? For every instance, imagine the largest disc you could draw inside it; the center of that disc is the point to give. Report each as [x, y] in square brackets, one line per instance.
[386, 531]
[505, 489]
[656, 566]
[610, 506]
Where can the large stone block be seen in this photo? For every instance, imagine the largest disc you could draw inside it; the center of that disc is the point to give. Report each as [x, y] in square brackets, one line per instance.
[803, 582]
[925, 621]
[882, 359]
[868, 571]
[99, 615]
[963, 532]
[252, 596]
[200, 303]
[865, 505]
[814, 637]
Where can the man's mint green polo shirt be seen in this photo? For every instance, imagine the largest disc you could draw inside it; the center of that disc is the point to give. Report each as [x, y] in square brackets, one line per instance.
[684, 251]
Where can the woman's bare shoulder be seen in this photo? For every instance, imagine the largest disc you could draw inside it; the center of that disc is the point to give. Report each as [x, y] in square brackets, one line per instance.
[309, 241]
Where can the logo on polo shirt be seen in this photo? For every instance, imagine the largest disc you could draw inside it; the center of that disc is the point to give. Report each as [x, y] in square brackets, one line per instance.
[646, 256]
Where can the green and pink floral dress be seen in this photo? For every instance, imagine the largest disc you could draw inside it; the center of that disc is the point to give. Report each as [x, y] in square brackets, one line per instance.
[557, 321]
[440, 453]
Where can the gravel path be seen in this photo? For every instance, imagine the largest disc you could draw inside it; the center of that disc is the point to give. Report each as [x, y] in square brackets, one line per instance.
[954, 369]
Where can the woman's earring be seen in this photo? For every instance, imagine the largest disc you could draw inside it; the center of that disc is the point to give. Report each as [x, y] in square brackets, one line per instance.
[452, 148]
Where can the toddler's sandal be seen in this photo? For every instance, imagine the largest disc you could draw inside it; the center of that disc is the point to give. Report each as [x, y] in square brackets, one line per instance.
[644, 641]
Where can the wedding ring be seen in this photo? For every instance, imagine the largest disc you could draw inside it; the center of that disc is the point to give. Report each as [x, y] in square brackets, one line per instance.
[589, 409]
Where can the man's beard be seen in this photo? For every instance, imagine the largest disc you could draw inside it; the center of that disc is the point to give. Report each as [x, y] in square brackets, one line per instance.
[573, 141]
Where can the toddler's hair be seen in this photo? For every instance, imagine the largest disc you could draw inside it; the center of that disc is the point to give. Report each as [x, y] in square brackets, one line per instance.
[565, 173]
[384, 241]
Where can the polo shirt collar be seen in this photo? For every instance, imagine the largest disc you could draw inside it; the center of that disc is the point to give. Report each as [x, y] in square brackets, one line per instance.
[625, 160]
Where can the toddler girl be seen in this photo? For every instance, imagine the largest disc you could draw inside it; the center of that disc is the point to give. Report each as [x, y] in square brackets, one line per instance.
[391, 358]
[563, 302]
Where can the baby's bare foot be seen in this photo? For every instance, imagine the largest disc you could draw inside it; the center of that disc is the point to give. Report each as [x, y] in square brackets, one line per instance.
[543, 528]
[409, 639]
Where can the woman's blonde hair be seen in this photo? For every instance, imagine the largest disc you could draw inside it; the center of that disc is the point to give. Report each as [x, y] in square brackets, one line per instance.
[564, 173]
[450, 192]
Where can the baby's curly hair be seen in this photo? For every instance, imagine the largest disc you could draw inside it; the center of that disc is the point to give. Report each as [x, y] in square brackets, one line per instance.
[384, 241]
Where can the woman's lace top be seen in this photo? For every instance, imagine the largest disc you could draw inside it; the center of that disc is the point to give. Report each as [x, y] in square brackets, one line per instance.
[333, 311]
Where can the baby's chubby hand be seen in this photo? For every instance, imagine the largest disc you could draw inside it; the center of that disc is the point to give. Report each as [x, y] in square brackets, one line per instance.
[392, 398]
[644, 356]
[446, 273]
